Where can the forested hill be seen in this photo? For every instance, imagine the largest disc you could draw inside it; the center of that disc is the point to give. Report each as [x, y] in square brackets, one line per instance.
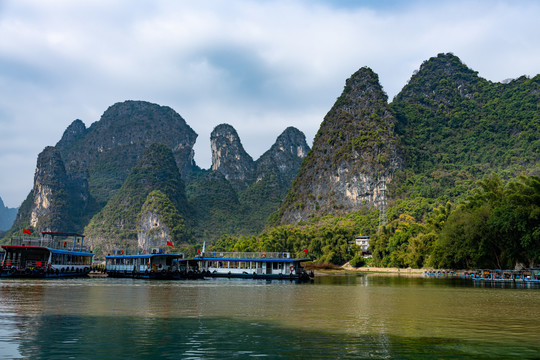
[353, 150]
[460, 157]
[446, 129]
[424, 153]
[456, 127]
[102, 180]
[155, 177]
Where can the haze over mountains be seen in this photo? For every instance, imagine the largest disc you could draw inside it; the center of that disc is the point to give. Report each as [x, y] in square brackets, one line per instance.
[7, 216]
[444, 130]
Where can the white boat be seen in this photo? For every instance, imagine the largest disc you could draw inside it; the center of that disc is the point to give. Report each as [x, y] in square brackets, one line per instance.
[253, 265]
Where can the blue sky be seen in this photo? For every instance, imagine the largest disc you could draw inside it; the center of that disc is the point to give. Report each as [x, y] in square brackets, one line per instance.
[258, 65]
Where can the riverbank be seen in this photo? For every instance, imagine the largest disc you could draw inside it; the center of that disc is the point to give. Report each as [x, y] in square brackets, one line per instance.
[372, 269]
[347, 269]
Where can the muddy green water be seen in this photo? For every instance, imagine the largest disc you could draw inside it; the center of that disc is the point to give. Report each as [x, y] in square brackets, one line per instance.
[356, 316]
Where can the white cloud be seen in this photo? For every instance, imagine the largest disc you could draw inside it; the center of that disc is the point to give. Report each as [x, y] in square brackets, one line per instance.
[259, 65]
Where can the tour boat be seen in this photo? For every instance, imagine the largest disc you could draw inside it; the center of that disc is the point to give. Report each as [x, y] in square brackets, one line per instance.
[156, 265]
[253, 265]
[53, 254]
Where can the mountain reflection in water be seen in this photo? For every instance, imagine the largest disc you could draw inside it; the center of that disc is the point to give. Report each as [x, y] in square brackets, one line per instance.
[336, 317]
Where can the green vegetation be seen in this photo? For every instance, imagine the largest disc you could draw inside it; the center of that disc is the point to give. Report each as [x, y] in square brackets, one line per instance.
[220, 209]
[497, 226]
[447, 129]
[156, 170]
[326, 239]
[456, 127]
[216, 206]
[157, 202]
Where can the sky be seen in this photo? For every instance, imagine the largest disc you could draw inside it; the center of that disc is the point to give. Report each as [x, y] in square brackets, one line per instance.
[259, 66]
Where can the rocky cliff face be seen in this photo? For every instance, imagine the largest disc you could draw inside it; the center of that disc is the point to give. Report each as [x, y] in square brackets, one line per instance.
[105, 153]
[74, 132]
[50, 193]
[159, 222]
[285, 156]
[77, 177]
[354, 151]
[238, 195]
[128, 128]
[152, 233]
[93, 167]
[229, 157]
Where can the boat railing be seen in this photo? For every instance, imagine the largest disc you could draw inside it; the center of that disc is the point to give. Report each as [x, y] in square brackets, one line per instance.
[35, 264]
[247, 255]
[66, 244]
[11, 263]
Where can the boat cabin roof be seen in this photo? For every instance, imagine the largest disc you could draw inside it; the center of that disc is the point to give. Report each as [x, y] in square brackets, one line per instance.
[54, 251]
[54, 233]
[145, 256]
[252, 259]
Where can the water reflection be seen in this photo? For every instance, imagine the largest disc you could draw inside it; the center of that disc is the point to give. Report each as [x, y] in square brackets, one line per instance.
[335, 317]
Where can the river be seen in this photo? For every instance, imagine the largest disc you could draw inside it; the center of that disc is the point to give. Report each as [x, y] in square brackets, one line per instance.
[347, 316]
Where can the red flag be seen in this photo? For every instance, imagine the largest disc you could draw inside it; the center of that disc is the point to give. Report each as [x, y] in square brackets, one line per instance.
[305, 250]
[199, 251]
[26, 231]
[170, 243]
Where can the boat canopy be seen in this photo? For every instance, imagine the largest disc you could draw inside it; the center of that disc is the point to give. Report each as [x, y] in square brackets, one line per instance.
[53, 233]
[54, 251]
[252, 259]
[144, 256]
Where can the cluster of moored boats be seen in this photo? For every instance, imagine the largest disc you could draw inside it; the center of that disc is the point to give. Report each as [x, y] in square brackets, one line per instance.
[57, 254]
[531, 276]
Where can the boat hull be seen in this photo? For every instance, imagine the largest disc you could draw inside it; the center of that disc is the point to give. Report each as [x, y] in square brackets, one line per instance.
[291, 277]
[156, 275]
[40, 274]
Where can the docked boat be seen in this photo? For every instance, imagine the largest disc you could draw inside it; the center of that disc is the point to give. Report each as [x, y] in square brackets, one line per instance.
[531, 276]
[254, 265]
[52, 254]
[156, 265]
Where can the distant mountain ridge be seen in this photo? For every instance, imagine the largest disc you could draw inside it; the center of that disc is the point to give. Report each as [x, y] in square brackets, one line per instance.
[7, 216]
[456, 127]
[238, 195]
[85, 182]
[446, 129]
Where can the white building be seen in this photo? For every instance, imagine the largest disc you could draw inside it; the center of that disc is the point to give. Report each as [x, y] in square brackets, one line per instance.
[363, 242]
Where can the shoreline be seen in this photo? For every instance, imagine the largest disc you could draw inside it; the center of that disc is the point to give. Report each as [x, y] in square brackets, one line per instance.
[410, 272]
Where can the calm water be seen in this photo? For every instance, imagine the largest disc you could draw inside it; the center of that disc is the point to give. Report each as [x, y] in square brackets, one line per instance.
[375, 317]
